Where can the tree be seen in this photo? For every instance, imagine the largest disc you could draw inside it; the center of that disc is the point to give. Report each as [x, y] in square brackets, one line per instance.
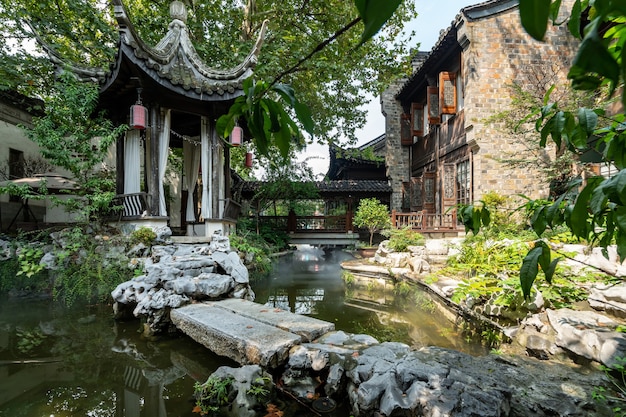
[549, 164]
[71, 136]
[311, 46]
[284, 183]
[373, 215]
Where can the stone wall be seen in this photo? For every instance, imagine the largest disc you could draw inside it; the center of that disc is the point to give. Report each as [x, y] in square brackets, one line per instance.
[498, 54]
[397, 156]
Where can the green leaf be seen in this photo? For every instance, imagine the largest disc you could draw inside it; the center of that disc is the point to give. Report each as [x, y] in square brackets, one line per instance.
[620, 240]
[554, 9]
[593, 61]
[553, 212]
[304, 116]
[588, 120]
[283, 136]
[549, 272]
[620, 187]
[598, 199]
[579, 216]
[539, 220]
[535, 15]
[286, 92]
[544, 258]
[273, 110]
[374, 14]
[485, 216]
[467, 216]
[476, 217]
[574, 21]
[529, 270]
[545, 132]
[620, 218]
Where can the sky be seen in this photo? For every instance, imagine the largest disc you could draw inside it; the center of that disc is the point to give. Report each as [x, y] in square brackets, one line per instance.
[433, 17]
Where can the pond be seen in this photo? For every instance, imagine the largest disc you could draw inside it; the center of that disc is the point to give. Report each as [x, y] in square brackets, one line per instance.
[58, 362]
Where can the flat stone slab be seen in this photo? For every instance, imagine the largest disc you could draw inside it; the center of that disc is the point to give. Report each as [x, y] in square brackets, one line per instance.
[245, 340]
[309, 328]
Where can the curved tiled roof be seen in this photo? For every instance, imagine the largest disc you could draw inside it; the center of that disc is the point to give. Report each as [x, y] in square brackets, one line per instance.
[175, 59]
[173, 62]
[347, 186]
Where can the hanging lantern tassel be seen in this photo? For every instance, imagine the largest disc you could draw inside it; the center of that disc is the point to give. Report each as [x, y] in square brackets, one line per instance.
[138, 116]
[236, 136]
[248, 159]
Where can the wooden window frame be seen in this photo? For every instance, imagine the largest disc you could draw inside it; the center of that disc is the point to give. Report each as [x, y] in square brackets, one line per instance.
[406, 134]
[417, 119]
[447, 92]
[433, 105]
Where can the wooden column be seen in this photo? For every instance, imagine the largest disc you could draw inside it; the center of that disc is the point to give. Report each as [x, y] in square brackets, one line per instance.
[119, 163]
[155, 130]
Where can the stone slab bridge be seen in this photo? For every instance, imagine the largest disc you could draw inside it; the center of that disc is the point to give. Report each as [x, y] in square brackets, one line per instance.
[247, 332]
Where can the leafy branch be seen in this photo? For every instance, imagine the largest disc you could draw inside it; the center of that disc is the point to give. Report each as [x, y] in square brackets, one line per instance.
[267, 119]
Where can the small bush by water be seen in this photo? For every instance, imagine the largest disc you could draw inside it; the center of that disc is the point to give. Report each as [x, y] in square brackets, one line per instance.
[212, 394]
[400, 239]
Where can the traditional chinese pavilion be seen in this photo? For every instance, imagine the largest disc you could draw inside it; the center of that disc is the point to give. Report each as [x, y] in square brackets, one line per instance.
[176, 99]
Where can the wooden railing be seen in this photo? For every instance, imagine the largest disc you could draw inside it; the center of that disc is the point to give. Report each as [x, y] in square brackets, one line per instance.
[321, 223]
[421, 220]
[295, 223]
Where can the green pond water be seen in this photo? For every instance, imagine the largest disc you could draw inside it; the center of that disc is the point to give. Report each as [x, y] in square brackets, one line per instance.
[61, 362]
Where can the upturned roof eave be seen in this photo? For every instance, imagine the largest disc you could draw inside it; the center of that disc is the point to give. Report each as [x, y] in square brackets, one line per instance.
[203, 83]
[448, 38]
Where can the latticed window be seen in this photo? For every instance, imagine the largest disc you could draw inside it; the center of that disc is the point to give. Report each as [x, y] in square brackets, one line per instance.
[463, 183]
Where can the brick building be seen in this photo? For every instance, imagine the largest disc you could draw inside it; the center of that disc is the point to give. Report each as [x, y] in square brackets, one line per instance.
[441, 149]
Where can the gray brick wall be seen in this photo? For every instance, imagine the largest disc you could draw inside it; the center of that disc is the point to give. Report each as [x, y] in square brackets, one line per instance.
[397, 156]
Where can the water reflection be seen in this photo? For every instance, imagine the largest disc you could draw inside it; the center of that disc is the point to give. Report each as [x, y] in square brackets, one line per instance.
[304, 282]
[80, 362]
[55, 362]
[309, 282]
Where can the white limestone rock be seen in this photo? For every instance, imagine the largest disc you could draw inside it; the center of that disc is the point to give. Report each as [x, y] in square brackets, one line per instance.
[609, 298]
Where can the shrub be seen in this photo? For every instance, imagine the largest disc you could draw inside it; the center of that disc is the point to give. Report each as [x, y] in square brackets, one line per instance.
[373, 215]
[400, 239]
[212, 394]
[143, 235]
[255, 250]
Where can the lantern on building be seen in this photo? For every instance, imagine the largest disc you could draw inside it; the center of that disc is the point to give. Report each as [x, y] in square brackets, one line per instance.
[248, 160]
[236, 136]
[138, 113]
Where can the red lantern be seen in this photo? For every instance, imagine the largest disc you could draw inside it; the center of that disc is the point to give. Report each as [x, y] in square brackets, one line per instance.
[236, 136]
[248, 159]
[138, 116]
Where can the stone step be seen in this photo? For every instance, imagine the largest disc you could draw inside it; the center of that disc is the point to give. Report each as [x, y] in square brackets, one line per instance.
[309, 328]
[241, 338]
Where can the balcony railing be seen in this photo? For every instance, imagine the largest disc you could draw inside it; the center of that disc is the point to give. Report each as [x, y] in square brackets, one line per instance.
[423, 221]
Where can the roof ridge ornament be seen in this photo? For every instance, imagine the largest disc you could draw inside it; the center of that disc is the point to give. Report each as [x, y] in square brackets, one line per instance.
[178, 11]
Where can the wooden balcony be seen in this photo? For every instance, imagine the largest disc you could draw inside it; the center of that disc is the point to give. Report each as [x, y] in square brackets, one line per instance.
[425, 222]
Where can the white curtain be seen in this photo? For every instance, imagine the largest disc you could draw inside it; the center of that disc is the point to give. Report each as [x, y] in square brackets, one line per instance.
[207, 212]
[191, 158]
[164, 146]
[132, 162]
[221, 181]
